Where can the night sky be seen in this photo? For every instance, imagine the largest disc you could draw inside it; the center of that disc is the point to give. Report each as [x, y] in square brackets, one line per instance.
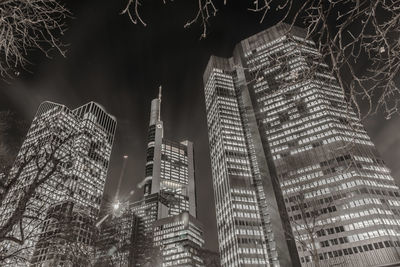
[120, 65]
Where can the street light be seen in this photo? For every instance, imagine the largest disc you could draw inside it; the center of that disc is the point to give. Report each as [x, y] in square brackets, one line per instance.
[116, 205]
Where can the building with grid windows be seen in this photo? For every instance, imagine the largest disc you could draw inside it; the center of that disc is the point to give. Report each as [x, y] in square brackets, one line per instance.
[146, 212]
[125, 234]
[114, 245]
[169, 195]
[169, 167]
[169, 192]
[179, 239]
[85, 137]
[286, 147]
[66, 237]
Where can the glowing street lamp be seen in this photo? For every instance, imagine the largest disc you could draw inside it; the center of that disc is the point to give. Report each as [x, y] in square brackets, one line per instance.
[116, 205]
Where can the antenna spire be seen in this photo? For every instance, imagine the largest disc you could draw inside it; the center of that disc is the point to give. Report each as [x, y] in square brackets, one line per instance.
[159, 99]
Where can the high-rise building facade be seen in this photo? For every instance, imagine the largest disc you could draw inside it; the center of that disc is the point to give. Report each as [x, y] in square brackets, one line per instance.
[146, 213]
[169, 167]
[251, 218]
[169, 196]
[81, 140]
[66, 237]
[286, 146]
[125, 233]
[114, 245]
[169, 192]
[179, 239]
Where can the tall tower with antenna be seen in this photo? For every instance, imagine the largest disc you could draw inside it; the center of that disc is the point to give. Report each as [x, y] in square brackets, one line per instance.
[169, 167]
[154, 142]
[169, 199]
[149, 231]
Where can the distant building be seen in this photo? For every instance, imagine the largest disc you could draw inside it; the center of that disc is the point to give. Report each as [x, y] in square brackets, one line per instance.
[81, 176]
[66, 237]
[114, 245]
[169, 196]
[210, 258]
[180, 240]
[147, 212]
[169, 191]
[280, 130]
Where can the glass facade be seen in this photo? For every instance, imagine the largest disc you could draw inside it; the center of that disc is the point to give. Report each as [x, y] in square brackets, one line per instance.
[114, 243]
[146, 213]
[275, 98]
[180, 240]
[81, 175]
[175, 176]
[169, 168]
[169, 193]
[66, 237]
[248, 232]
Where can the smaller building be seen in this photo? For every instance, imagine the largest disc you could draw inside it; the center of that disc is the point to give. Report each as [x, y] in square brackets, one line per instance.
[146, 212]
[114, 246]
[65, 237]
[210, 258]
[180, 240]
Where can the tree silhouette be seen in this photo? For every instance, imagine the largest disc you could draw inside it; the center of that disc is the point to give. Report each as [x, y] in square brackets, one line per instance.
[26, 25]
[41, 162]
[348, 34]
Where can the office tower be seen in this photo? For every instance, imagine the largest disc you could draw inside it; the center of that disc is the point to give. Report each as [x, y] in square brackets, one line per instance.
[252, 224]
[66, 237]
[146, 212]
[169, 167]
[283, 139]
[114, 246]
[169, 190]
[84, 136]
[210, 258]
[180, 240]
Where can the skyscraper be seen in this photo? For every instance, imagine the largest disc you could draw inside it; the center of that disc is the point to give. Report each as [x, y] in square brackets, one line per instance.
[165, 221]
[169, 167]
[180, 239]
[66, 237]
[169, 192]
[285, 146]
[114, 246]
[78, 143]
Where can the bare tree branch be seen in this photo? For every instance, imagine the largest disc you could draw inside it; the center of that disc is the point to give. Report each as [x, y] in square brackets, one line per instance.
[26, 25]
[359, 39]
[43, 160]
